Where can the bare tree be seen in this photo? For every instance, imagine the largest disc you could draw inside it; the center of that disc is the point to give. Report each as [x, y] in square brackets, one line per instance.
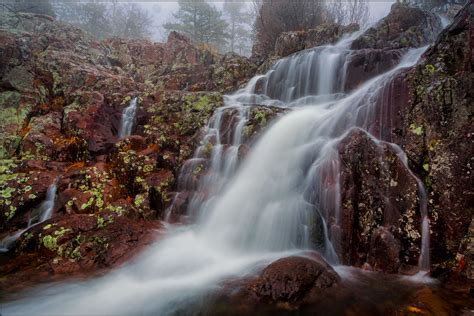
[278, 16]
[348, 11]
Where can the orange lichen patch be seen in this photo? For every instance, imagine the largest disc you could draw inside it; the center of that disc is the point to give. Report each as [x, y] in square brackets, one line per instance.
[150, 149]
[75, 166]
[43, 107]
[416, 310]
[69, 141]
[24, 130]
[57, 104]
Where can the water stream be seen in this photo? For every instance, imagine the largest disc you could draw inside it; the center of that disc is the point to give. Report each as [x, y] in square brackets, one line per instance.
[37, 216]
[253, 211]
[128, 118]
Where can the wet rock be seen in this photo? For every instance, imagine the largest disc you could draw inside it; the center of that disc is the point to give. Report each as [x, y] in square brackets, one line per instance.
[74, 245]
[380, 206]
[20, 192]
[384, 252]
[364, 64]
[294, 280]
[324, 34]
[436, 133]
[405, 26]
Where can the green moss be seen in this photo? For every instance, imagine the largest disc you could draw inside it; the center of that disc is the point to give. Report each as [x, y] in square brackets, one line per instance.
[139, 200]
[56, 82]
[418, 130]
[9, 99]
[261, 118]
[126, 100]
[7, 193]
[430, 68]
[50, 242]
[200, 104]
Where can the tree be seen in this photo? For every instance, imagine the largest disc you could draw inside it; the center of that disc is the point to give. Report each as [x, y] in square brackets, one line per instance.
[104, 20]
[433, 4]
[36, 6]
[128, 20]
[348, 11]
[201, 22]
[278, 16]
[239, 21]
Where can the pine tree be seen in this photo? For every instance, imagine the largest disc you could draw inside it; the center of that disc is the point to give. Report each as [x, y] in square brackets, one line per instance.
[201, 22]
[36, 6]
[239, 26]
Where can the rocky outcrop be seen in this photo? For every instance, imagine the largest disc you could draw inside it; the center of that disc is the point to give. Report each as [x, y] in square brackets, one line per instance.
[430, 110]
[194, 172]
[436, 135]
[62, 94]
[291, 42]
[380, 47]
[295, 41]
[404, 27]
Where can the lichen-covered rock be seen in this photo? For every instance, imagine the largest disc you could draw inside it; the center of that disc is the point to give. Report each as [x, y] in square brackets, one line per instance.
[378, 192]
[291, 42]
[62, 94]
[258, 118]
[437, 132]
[405, 26]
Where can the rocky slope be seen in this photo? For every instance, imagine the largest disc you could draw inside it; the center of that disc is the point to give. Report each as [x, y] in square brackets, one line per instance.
[61, 97]
[62, 94]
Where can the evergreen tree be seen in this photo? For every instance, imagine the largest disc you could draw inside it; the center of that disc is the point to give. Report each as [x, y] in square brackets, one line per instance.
[201, 22]
[104, 20]
[239, 26]
[33, 6]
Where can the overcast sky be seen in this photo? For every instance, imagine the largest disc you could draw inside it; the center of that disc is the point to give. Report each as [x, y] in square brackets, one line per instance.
[163, 12]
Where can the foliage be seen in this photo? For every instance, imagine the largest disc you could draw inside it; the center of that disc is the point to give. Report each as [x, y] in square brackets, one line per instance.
[201, 22]
[29, 6]
[278, 16]
[432, 4]
[104, 20]
[239, 27]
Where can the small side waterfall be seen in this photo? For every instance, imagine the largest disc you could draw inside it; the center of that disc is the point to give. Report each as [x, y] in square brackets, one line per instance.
[37, 216]
[128, 118]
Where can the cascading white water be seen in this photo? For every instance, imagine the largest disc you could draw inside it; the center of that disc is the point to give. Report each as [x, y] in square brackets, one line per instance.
[259, 214]
[38, 216]
[128, 118]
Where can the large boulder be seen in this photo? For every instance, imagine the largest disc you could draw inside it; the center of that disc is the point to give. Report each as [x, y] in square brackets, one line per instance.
[294, 280]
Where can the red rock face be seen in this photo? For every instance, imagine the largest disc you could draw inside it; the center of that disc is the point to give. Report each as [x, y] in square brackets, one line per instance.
[379, 203]
[62, 94]
[294, 280]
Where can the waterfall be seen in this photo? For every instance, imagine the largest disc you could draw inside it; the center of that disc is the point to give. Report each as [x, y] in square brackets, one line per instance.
[128, 117]
[37, 216]
[251, 214]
